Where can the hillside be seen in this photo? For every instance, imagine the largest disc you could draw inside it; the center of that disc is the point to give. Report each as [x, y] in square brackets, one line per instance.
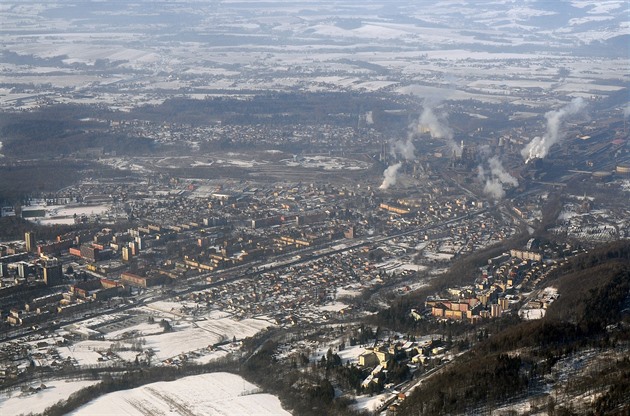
[573, 361]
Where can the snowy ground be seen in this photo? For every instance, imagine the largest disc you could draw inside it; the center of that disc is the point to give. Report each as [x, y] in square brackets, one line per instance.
[396, 265]
[350, 291]
[333, 307]
[220, 394]
[448, 45]
[370, 403]
[327, 163]
[546, 296]
[201, 334]
[351, 353]
[517, 408]
[532, 314]
[64, 214]
[17, 402]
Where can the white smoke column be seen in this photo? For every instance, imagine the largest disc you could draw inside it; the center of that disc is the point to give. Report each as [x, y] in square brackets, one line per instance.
[481, 174]
[405, 149]
[494, 188]
[429, 121]
[390, 176]
[539, 146]
[499, 172]
[437, 126]
[626, 111]
[496, 178]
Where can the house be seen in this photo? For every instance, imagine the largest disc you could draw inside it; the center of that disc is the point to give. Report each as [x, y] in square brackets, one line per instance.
[368, 359]
[382, 356]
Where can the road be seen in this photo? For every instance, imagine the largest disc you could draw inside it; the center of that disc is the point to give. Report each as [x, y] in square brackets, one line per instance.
[245, 271]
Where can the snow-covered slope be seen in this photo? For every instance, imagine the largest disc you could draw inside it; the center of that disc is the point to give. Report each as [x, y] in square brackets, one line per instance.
[220, 394]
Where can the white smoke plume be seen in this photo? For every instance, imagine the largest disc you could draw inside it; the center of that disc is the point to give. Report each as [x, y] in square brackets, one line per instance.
[626, 111]
[494, 188]
[429, 121]
[436, 125]
[496, 179]
[400, 148]
[390, 175]
[539, 146]
[481, 173]
[497, 170]
[405, 149]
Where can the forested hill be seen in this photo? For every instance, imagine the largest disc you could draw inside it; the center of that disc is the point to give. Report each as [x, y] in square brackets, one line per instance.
[574, 361]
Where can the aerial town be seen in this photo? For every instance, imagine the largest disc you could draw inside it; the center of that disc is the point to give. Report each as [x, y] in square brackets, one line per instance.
[355, 226]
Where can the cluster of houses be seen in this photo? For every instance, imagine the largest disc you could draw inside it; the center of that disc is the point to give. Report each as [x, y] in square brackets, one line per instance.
[494, 293]
[380, 358]
[294, 293]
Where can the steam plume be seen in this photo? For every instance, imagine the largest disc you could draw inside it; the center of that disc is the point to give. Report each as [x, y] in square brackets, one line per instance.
[494, 188]
[429, 121]
[436, 125]
[496, 179]
[539, 146]
[498, 171]
[390, 176]
[405, 149]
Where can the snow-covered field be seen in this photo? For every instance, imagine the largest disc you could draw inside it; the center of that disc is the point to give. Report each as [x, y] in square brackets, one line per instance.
[64, 214]
[221, 394]
[239, 162]
[17, 402]
[199, 336]
[397, 265]
[351, 353]
[370, 403]
[85, 352]
[327, 163]
[70, 210]
[354, 46]
[333, 307]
